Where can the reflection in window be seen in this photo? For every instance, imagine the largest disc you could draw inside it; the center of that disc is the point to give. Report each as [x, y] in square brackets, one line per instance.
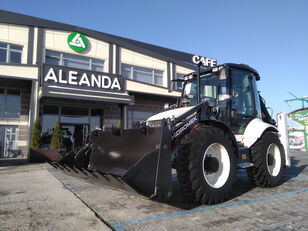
[135, 117]
[243, 107]
[208, 89]
[8, 141]
[74, 115]
[10, 53]
[95, 119]
[74, 61]
[142, 74]
[13, 103]
[9, 102]
[75, 123]
[179, 85]
[2, 109]
[49, 119]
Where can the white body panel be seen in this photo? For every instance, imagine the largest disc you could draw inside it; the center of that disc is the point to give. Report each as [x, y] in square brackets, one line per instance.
[283, 130]
[169, 114]
[256, 127]
[254, 130]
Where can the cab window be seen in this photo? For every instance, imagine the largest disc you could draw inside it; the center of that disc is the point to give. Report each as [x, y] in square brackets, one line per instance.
[242, 100]
[208, 89]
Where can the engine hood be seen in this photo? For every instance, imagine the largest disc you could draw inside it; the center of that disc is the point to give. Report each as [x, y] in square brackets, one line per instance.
[169, 114]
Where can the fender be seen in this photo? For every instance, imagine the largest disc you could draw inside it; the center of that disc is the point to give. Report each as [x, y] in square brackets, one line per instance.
[254, 131]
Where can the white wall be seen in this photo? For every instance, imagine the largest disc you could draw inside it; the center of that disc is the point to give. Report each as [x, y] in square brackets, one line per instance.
[137, 59]
[183, 70]
[57, 40]
[17, 35]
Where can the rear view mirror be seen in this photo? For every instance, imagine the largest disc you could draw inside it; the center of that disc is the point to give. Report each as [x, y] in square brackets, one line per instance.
[224, 97]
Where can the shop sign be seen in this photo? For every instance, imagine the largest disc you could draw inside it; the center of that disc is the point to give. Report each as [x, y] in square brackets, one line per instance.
[77, 42]
[300, 117]
[77, 78]
[206, 62]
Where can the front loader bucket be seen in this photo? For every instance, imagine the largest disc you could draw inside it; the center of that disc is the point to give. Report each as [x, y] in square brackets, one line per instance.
[133, 161]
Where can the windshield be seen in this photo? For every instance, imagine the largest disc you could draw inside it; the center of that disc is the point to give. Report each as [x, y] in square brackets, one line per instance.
[208, 89]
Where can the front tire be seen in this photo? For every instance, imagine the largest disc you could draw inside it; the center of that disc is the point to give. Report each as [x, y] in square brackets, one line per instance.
[206, 165]
[268, 156]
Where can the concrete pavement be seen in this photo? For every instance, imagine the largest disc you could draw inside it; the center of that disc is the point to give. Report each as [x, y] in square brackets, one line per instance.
[31, 198]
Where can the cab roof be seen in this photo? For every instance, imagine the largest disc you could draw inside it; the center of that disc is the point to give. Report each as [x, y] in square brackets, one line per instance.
[243, 66]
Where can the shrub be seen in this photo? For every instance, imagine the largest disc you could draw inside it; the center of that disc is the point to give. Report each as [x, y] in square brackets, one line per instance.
[56, 139]
[36, 135]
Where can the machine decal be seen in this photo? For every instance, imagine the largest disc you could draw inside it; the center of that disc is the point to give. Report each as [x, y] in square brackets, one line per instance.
[184, 127]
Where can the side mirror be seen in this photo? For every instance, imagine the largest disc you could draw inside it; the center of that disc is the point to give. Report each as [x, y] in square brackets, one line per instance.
[224, 97]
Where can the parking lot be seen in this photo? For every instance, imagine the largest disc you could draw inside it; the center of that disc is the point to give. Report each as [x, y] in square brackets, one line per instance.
[250, 208]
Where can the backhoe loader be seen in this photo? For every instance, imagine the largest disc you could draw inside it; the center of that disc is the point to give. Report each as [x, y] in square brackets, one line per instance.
[219, 123]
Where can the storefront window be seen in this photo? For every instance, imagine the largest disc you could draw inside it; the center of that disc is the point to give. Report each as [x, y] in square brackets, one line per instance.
[12, 103]
[2, 102]
[74, 61]
[75, 124]
[9, 103]
[142, 74]
[49, 119]
[10, 53]
[135, 117]
[8, 141]
[74, 115]
[95, 119]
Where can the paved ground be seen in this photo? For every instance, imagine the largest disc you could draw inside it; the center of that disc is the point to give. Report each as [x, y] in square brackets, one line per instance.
[250, 208]
[32, 199]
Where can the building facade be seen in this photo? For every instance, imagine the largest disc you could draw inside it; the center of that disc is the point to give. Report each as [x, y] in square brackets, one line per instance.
[83, 78]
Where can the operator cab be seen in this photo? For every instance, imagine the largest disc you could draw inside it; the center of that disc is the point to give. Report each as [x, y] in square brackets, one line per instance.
[232, 88]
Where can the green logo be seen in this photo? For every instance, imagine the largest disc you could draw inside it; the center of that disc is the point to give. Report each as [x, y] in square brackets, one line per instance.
[78, 42]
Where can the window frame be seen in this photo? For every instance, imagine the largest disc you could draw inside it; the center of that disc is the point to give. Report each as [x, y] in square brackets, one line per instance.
[153, 74]
[91, 61]
[8, 50]
[131, 117]
[176, 83]
[4, 115]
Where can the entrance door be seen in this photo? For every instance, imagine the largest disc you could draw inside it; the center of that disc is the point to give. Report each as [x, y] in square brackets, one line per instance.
[10, 142]
[74, 135]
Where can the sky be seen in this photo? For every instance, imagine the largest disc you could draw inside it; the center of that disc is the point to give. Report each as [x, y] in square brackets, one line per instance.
[269, 35]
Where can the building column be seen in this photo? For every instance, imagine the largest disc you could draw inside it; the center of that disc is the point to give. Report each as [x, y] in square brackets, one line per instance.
[124, 119]
[34, 107]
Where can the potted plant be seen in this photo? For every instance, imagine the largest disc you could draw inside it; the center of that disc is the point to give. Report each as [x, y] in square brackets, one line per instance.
[57, 137]
[36, 135]
[35, 154]
[38, 154]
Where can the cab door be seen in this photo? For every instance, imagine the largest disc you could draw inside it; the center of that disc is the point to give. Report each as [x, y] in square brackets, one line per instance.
[244, 107]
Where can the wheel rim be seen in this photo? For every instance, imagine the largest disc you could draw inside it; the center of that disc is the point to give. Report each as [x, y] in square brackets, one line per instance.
[218, 178]
[273, 159]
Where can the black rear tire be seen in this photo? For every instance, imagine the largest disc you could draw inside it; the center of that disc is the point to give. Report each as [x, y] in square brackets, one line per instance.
[195, 177]
[268, 156]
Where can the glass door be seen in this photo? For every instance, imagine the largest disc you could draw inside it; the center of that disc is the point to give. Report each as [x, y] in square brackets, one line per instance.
[10, 142]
